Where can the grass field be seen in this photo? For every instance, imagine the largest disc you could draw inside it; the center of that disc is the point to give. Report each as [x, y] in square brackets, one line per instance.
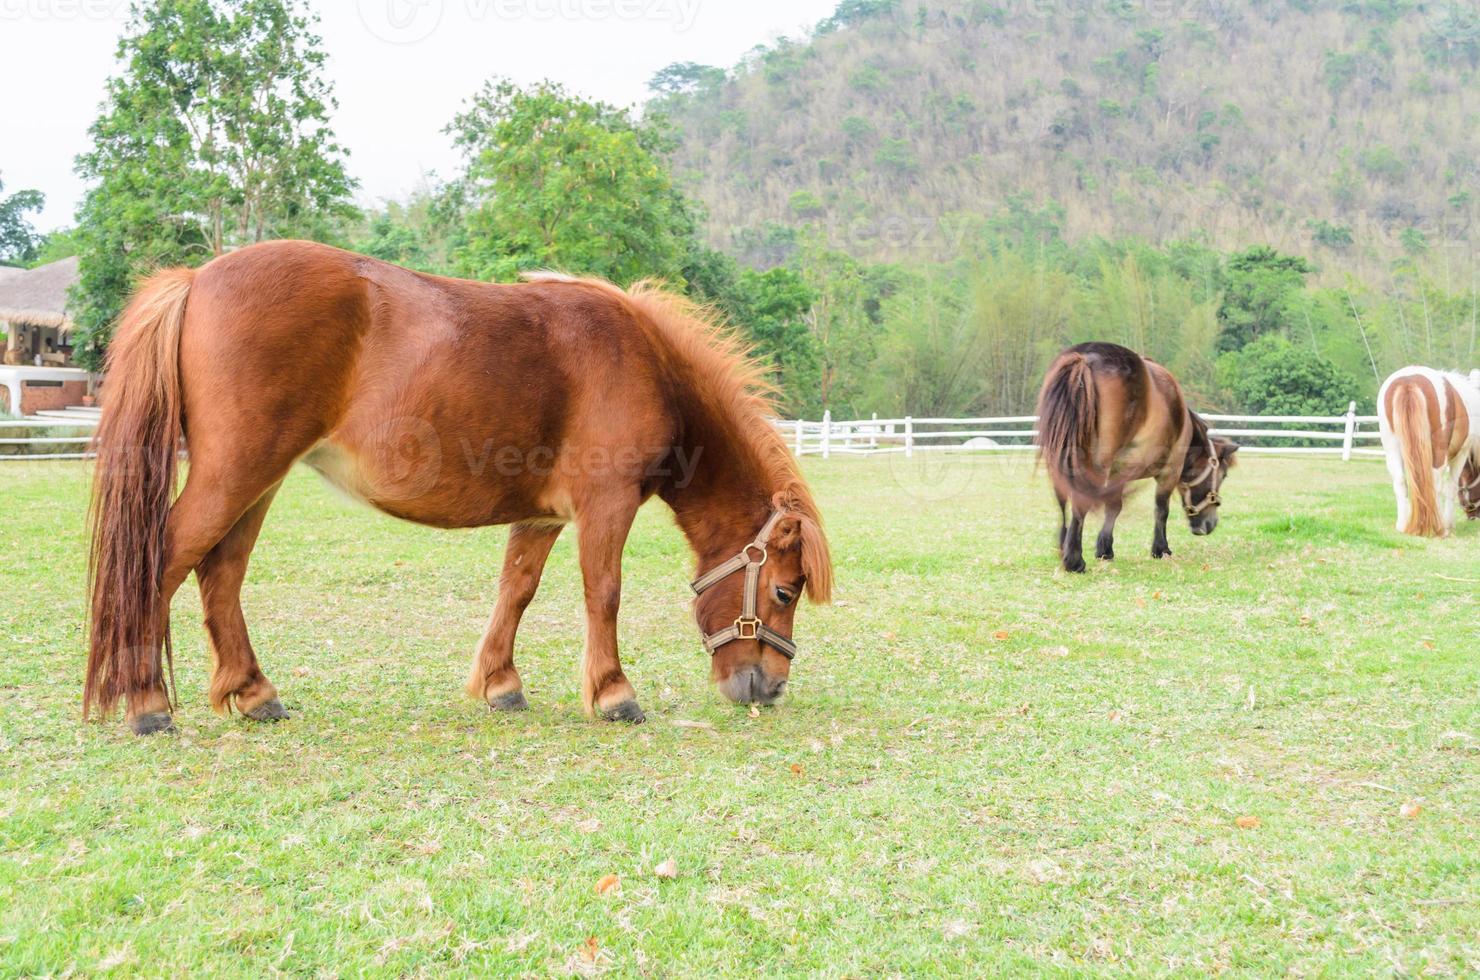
[983, 763]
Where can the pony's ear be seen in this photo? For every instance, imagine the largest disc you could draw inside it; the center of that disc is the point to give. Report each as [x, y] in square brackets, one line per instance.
[1226, 452]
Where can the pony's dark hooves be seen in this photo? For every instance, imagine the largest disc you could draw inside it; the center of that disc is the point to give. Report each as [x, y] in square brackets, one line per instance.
[628, 711]
[509, 701]
[1161, 552]
[1107, 555]
[154, 723]
[271, 710]
[1076, 566]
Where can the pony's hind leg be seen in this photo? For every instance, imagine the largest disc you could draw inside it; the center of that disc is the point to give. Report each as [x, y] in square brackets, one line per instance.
[1072, 548]
[206, 510]
[494, 678]
[237, 679]
[1105, 543]
[603, 529]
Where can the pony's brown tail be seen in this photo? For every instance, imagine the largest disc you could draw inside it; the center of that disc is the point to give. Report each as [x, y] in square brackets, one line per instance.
[136, 444]
[1069, 422]
[1416, 443]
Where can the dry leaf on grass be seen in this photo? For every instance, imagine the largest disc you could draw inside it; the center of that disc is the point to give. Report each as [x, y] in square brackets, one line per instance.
[796, 768]
[667, 869]
[755, 711]
[1001, 635]
[1410, 810]
[609, 885]
[1246, 823]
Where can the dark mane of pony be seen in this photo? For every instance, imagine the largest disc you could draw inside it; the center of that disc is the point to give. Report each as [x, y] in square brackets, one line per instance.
[714, 365]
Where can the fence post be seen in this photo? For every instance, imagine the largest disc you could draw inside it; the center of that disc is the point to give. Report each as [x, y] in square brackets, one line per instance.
[800, 425]
[909, 436]
[827, 434]
[1351, 432]
[873, 439]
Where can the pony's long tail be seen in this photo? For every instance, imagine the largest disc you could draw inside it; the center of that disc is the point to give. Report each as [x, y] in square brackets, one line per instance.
[1416, 444]
[136, 444]
[1069, 423]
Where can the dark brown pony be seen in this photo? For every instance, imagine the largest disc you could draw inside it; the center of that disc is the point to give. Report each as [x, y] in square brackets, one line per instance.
[448, 403]
[1108, 417]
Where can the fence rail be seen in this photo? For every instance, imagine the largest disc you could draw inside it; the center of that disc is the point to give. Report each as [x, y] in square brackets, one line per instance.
[1350, 435]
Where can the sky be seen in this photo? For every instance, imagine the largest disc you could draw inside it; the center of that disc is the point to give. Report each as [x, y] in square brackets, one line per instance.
[401, 69]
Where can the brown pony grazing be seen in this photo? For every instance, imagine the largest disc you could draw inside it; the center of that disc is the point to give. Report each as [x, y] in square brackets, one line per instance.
[449, 403]
[1108, 417]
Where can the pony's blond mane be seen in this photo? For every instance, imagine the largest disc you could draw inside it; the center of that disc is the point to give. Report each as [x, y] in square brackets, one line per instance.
[716, 367]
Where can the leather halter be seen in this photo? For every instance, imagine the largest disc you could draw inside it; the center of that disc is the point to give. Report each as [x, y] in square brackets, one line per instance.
[748, 625]
[1208, 471]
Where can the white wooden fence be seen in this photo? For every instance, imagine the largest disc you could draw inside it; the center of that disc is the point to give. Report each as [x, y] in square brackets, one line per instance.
[1346, 435]
[48, 436]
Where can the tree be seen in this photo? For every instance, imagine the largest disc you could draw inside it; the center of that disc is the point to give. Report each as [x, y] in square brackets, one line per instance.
[1260, 285]
[18, 239]
[1272, 376]
[214, 135]
[773, 317]
[556, 181]
[686, 77]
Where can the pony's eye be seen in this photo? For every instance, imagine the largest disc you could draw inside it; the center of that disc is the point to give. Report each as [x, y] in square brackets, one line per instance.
[784, 596]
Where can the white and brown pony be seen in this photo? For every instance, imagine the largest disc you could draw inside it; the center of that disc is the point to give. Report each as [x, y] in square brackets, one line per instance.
[1430, 422]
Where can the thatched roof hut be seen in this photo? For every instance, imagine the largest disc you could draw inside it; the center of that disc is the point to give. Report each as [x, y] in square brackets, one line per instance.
[38, 297]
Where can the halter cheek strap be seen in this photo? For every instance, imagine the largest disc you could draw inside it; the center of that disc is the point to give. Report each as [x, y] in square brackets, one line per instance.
[1208, 471]
[748, 626]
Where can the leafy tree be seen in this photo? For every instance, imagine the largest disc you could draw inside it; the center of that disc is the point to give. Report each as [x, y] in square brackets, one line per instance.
[556, 181]
[774, 319]
[685, 78]
[215, 134]
[1260, 285]
[1272, 376]
[18, 240]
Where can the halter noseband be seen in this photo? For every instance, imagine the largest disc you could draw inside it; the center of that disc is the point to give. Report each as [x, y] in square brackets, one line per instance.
[748, 626]
[1208, 471]
[1468, 498]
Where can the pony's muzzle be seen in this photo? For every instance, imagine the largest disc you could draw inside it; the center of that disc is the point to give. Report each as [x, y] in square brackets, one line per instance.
[751, 685]
[1204, 523]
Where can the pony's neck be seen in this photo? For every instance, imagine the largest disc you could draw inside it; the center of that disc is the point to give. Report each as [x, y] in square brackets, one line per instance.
[719, 500]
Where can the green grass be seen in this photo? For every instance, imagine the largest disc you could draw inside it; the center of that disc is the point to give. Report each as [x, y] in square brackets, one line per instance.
[983, 764]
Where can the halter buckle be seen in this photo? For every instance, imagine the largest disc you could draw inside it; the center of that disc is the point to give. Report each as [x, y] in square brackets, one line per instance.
[756, 546]
[747, 629]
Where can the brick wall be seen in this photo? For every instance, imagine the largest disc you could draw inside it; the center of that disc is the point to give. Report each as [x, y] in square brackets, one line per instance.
[36, 398]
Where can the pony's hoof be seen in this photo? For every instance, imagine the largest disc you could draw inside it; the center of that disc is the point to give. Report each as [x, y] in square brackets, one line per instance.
[271, 710]
[1076, 566]
[1107, 555]
[154, 723]
[628, 711]
[1161, 552]
[509, 701]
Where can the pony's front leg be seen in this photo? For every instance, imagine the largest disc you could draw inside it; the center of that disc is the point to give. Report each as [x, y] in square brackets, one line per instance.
[603, 531]
[494, 678]
[1105, 543]
[1159, 546]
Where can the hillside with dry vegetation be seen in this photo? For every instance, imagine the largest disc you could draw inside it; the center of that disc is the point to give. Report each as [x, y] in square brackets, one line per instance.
[1346, 130]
